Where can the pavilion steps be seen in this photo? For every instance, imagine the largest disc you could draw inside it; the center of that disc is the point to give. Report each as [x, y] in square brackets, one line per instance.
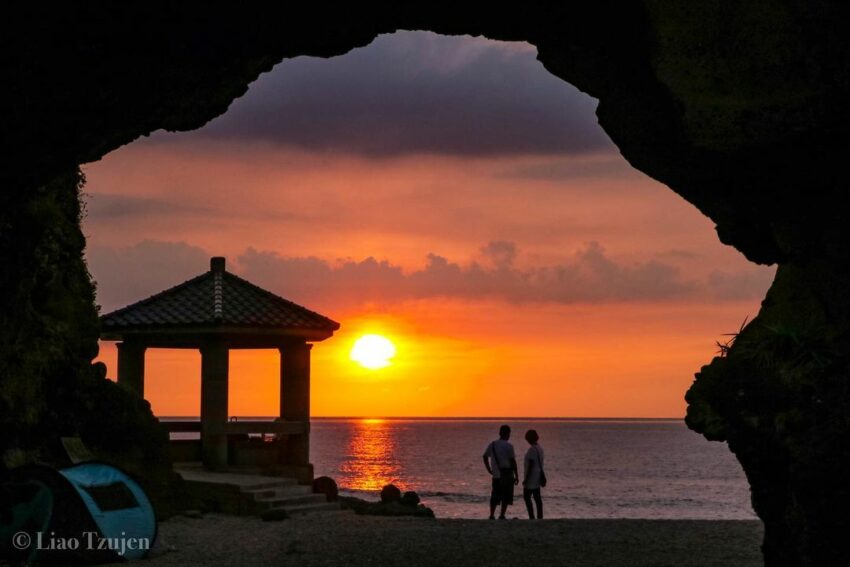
[293, 500]
[287, 498]
[303, 509]
[281, 491]
[248, 494]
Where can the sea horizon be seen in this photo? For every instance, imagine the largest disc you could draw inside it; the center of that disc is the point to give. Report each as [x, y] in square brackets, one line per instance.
[444, 418]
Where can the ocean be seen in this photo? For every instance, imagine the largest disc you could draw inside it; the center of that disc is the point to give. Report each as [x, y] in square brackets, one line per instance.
[595, 468]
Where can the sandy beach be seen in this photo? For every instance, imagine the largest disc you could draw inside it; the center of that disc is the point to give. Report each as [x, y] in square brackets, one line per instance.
[347, 539]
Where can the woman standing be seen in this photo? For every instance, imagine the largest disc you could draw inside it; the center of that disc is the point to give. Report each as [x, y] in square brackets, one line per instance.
[534, 478]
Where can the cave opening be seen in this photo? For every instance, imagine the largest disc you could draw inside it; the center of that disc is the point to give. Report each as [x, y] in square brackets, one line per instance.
[449, 192]
[735, 109]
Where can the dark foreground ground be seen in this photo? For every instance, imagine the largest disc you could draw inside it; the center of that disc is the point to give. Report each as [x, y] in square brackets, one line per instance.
[346, 539]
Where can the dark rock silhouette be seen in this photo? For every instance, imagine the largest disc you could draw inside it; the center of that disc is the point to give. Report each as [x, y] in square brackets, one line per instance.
[410, 498]
[392, 503]
[50, 388]
[327, 486]
[779, 396]
[390, 493]
[738, 107]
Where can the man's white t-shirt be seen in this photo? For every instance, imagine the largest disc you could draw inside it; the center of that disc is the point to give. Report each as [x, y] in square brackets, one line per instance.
[500, 453]
[533, 464]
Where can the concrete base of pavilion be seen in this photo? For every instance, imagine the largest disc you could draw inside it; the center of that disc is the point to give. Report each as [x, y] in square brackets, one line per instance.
[243, 491]
[302, 474]
[244, 456]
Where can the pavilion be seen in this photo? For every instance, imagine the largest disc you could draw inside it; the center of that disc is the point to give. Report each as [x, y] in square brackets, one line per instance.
[215, 312]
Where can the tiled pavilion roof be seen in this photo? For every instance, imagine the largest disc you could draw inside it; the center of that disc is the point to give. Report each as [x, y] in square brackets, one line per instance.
[215, 299]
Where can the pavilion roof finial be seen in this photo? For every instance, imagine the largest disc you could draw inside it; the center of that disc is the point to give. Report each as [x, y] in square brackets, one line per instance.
[217, 268]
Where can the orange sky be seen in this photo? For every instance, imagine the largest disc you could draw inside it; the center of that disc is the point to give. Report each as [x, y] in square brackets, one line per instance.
[534, 282]
[587, 361]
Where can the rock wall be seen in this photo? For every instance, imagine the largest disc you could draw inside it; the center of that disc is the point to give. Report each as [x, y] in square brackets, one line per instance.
[781, 398]
[738, 107]
[48, 322]
[48, 338]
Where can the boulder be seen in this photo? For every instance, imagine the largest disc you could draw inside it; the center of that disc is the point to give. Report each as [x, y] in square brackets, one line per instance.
[353, 503]
[327, 486]
[390, 493]
[393, 508]
[410, 498]
[423, 511]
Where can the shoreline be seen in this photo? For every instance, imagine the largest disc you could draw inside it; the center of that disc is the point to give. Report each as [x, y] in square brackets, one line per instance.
[343, 538]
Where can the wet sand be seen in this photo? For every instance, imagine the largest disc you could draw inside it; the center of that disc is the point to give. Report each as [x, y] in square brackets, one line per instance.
[342, 538]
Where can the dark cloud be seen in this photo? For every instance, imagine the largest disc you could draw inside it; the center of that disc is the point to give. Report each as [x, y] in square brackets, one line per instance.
[416, 92]
[105, 206]
[123, 209]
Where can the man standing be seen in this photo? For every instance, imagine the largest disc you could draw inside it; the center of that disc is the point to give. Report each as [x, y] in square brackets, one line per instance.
[500, 461]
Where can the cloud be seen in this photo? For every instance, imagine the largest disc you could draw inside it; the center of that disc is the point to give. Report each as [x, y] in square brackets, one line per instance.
[589, 276]
[563, 169]
[679, 254]
[311, 277]
[500, 253]
[415, 92]
[743, 284]
[126, 275]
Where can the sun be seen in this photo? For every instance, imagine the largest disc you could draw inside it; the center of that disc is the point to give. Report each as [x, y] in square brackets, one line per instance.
[373, 351]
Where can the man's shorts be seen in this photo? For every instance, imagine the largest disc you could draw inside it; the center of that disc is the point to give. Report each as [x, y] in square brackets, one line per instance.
[503, 488]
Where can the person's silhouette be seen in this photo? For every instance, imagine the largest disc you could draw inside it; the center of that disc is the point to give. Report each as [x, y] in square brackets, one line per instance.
[500, 461]
[533, 477]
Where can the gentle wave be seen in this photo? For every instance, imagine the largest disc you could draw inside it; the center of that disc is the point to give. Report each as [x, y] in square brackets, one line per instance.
[451, 496]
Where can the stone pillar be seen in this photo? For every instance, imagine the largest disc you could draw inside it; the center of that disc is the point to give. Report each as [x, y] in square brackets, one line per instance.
[131, 366]
[214, 377]
[295, 398]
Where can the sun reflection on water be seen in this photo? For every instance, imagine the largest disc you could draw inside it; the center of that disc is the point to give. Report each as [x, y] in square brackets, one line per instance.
[371, 462]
